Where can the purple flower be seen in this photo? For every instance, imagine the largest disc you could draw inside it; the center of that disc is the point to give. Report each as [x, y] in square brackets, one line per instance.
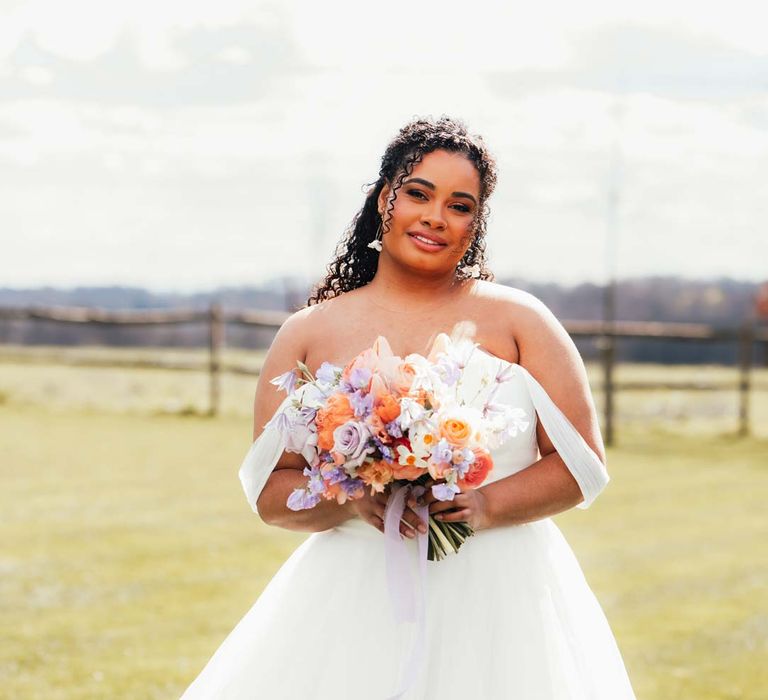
[361, 404]
[301, 499]
[334, 475]
[360, 377]
[351, 439]
[443, 451]
[285, 381]
[505, 373]
[353, 487]
[386, 452]
[281, 421]
[445, 492]
[316, 485]
[393, 428]
[327, 373]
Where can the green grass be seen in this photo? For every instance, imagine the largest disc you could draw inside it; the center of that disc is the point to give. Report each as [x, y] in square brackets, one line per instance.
[128, 550]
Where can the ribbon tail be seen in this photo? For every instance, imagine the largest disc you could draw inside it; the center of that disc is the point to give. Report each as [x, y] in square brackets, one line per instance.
[409, 598]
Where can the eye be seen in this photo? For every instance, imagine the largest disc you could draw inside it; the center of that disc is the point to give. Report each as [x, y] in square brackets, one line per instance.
[417, 192]
[463, 208]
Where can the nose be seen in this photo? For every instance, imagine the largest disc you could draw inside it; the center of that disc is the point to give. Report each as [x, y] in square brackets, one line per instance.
[433, 216]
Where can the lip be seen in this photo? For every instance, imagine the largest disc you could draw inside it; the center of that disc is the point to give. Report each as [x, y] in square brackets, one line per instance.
[428, 236]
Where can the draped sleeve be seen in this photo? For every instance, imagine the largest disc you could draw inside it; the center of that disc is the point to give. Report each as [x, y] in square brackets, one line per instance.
[587, 468]
[262, 457]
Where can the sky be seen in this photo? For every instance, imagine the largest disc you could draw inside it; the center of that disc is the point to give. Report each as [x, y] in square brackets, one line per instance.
[188, 145]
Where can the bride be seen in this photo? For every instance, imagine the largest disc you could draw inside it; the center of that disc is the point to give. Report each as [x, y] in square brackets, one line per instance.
[510, 615]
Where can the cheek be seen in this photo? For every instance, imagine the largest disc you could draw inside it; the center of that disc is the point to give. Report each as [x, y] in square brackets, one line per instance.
[403, 211]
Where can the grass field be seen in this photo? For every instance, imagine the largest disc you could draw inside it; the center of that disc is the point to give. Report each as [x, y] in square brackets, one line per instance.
[129, 552]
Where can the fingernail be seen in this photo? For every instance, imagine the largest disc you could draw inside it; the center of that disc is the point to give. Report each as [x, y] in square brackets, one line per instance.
[422, 528]
[409, 533]
[411, 503]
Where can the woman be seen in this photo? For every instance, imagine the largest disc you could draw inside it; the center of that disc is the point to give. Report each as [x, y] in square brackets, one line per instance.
[508, 616]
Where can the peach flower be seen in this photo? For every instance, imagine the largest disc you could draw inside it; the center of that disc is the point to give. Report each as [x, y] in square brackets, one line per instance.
[478, 470]
[376, 474]
[456, 429]
[336, 412]
[403, 379]
[387, 408]
[379, 359]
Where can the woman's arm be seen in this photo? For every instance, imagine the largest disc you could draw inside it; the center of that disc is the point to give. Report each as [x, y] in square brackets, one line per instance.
[288, 346]
[547, 487]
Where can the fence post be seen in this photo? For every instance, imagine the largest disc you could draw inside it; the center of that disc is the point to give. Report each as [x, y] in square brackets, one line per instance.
[608, 345]
[745, 367]
[215, 339]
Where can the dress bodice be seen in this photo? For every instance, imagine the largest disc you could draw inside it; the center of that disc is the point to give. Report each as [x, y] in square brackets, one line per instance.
[521, 450]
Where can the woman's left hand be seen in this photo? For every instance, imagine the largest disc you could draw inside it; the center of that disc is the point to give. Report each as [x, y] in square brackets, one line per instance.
[470, 507]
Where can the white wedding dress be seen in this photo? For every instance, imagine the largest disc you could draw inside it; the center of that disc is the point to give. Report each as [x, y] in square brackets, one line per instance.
[508, 616]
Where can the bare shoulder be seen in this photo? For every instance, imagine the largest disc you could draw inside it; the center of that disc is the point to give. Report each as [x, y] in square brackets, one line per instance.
[509, 299]
[548, 353]
[527, 317]
[288, 347]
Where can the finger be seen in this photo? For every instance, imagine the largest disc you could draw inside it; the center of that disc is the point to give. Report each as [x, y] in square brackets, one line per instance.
[406, 530]
[376, 522]
[462, 515]
[439, 506]
[413, 519]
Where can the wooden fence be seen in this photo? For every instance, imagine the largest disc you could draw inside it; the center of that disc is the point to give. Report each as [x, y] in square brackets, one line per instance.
[746, 337]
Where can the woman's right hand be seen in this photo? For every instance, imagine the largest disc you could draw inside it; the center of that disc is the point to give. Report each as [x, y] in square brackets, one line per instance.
[370, 508]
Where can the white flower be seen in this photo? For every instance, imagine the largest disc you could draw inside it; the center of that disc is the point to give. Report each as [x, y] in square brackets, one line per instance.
[409, 459]
[423, 436]
[471, 270]
[375, 244]
[411, 411]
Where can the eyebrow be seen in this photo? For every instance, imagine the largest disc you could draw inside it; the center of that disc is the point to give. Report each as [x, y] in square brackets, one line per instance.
[431, 186]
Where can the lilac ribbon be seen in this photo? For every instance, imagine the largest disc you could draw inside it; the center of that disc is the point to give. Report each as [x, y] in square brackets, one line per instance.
[409, 597]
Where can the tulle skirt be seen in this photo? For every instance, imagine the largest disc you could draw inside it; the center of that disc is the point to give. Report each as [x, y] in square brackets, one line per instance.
[509, 616]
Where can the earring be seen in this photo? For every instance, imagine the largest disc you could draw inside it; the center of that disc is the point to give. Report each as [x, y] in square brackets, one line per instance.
[376, 242]
[471, 270]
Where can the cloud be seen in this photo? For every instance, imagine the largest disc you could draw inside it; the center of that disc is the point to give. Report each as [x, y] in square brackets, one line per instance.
[219, 65]
[632, 58]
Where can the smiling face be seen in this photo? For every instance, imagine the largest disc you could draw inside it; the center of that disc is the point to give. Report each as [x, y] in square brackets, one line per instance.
[430, 225]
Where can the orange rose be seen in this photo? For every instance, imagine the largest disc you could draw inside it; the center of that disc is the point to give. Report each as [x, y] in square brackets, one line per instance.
[336, 412]
[387, 408]
[478, 470]
[456, 430]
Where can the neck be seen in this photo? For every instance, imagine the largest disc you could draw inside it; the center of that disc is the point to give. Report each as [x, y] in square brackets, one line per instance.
[398, 286]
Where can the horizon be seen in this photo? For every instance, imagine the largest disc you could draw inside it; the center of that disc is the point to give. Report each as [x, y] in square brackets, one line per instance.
[276, 282]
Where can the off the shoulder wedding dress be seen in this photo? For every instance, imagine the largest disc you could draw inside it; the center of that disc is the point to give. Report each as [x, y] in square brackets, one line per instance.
[508, 616]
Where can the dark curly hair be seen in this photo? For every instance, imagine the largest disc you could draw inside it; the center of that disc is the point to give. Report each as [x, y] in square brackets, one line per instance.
[355, 264]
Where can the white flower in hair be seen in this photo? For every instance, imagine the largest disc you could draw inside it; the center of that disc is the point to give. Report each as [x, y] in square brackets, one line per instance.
[375, 244]
[471, 270]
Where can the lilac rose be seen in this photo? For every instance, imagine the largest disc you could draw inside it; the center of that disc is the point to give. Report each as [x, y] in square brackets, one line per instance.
[351, 440]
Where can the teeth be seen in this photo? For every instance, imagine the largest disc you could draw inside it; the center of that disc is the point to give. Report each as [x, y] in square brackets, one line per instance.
[426, 240]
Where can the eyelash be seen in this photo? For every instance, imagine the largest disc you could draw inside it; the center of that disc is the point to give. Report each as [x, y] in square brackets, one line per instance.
[464, 208]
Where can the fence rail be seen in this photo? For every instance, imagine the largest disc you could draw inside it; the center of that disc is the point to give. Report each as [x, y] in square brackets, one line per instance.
[746, 337]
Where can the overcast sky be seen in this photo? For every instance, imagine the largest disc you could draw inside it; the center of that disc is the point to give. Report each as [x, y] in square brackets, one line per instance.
[186, 145]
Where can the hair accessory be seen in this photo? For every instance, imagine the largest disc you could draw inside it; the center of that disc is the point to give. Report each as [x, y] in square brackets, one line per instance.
[471, 270]
[376, 242]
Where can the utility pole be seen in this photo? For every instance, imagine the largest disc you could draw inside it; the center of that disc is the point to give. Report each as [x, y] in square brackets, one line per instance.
[611, 250]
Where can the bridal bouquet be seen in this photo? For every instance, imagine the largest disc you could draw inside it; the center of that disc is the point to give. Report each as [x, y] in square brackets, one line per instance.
[384, 420]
